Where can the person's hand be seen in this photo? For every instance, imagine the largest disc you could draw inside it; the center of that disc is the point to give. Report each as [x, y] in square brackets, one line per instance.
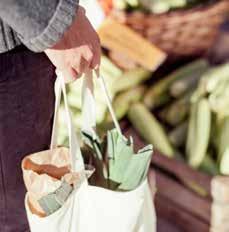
[78, 50]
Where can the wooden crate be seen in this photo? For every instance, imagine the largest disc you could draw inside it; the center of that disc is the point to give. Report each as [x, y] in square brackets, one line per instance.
[193, 201]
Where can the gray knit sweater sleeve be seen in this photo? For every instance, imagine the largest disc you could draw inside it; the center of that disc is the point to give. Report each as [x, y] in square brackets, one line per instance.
[39, 24]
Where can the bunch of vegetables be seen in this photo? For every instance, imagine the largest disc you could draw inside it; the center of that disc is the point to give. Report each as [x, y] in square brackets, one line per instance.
[154, 6]
[189, 116]
[209, 119]
[117, 165]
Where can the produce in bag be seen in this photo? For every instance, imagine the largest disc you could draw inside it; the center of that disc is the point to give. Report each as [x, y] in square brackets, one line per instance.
[118, 166]
[121, 168]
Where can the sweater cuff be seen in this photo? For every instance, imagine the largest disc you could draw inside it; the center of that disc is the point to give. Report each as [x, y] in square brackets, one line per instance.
[59, 23]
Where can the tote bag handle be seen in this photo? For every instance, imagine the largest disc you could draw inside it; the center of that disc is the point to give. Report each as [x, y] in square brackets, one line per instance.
[74, 146]
[88, 114]
[89, 102]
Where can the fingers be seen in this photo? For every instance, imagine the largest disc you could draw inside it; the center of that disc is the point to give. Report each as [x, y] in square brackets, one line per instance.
[75, 62]
[96, 53]
[96, 59]
[87, 53]
[69, 74]
[80, 65]
[78, 50]
[88, 57]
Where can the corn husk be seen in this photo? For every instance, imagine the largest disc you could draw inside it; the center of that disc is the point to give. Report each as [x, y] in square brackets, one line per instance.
[119, 168]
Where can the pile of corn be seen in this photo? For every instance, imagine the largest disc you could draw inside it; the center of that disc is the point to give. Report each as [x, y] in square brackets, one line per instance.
[186, 116]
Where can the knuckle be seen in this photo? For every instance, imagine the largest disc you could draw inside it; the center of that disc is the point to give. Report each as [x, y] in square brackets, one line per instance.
[90, 56]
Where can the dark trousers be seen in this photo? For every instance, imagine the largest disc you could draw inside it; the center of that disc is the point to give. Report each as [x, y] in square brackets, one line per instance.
[26, 113]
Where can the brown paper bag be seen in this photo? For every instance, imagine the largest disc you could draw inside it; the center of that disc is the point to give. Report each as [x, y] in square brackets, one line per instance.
[43, 173]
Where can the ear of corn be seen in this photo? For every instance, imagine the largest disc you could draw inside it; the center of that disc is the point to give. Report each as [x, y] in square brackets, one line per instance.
[177, 111]
[224, 164]
[211, 80]
[123, 101]
[177, 136]
[219, 99]
[199, 134]
[159, 89]
[223, 136]
[117, 37]
[107, 68]
[223, 146]
[131, 79]
[181, 86]
[191, 129]
[149, 128]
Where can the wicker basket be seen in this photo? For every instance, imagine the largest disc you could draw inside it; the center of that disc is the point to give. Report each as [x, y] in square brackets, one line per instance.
[179, 33]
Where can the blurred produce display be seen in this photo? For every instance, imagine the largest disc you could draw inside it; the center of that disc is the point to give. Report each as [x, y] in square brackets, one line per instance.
[120, 39]
[154, 6]
[185, 115]
[185, 31]
[194, 118]
[119, 82]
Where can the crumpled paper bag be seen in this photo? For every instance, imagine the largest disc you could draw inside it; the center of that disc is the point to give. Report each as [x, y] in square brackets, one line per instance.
[44, 172]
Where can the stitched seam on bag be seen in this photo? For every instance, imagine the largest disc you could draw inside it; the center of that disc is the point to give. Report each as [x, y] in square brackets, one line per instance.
[4, 191]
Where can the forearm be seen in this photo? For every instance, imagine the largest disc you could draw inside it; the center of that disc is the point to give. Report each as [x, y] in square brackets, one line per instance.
[40, 23]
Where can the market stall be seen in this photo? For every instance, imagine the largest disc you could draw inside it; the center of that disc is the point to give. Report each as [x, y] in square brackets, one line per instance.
[169, 86]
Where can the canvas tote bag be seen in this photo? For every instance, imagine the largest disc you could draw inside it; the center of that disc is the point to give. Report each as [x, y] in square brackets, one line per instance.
[91, 208]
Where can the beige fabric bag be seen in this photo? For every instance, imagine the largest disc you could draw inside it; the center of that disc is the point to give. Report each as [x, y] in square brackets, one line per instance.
[90, 208]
